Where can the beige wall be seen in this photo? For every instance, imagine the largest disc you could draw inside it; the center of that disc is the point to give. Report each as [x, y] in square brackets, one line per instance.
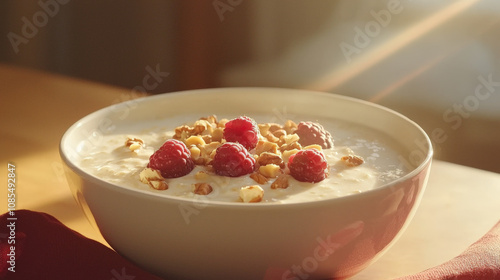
[424, 61]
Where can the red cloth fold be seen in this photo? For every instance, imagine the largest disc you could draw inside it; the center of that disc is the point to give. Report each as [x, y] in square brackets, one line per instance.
[44, 248]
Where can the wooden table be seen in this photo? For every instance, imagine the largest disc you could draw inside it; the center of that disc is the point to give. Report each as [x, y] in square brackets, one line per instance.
[459, 205]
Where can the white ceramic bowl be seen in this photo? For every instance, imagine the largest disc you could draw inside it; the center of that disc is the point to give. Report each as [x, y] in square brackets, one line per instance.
[333, 238]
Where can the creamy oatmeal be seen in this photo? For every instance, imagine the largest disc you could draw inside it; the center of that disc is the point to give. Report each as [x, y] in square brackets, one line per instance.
[359, 160]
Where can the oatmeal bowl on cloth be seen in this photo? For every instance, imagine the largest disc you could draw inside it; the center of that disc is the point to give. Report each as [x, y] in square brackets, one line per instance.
[248, 183]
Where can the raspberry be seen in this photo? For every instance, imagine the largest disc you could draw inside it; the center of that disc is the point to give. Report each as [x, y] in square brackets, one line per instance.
[172, 159]
[243, 130]
[308, 166]
[233, 160]
[313, 133]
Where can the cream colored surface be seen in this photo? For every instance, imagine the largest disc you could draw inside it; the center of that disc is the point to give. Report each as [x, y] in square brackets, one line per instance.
[459, 206]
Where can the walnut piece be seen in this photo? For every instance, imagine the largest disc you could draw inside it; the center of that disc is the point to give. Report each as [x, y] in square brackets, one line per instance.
[352, 160]
[153, 178]
[134, 143]
[280, 183]
[259, 178]
[202, 188]
[266, 146]
[313, 146]
[291, 146]
[270, 170]
[274, 127]
[279, 133]
[182, 132]
[195, 140]
[286, 155]
[290, 127]
[200, 126]
[252, 193]
[264, 128]
[212, 119]
[271, 138]
[266, 158]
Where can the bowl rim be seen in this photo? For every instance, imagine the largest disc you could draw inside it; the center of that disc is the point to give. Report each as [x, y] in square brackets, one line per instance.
[426, 162]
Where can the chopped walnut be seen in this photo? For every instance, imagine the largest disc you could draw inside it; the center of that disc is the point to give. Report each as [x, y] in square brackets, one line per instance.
[274, 127]
[182, 132]
[207, 138]
[134, 143]
[280, 183]
[314, 146]
[212, 119]
[153, 178]
[279, 133]
[259, 178]
[289, 139]
[264, 128]
[266, 158]
[291, 146]
[208, 151]
[202, 188]
[201, 126]
[209, 168]
[195, 153]
[290, 127]
[252, 193]
[352, 160]
[222, 123]
[265, 146]
[271, 138]
[286, 154]
[195, 140]
[201, 161]
[270, 170]
[217, 134]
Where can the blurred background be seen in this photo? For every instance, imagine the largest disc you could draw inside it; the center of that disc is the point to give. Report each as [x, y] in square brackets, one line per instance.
[437, 62]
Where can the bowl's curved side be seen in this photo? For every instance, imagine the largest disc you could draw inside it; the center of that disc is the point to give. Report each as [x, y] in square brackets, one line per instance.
[198, 240]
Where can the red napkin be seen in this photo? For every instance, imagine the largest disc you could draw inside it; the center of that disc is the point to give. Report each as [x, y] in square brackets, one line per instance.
[44, 248]
[481, 261]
